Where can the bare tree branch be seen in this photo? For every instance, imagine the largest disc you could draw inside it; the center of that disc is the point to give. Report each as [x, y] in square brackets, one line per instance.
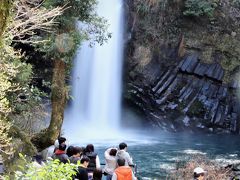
[31, 17]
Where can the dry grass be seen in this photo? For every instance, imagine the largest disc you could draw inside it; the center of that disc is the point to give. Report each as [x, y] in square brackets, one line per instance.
[214, 171]
[142, 55]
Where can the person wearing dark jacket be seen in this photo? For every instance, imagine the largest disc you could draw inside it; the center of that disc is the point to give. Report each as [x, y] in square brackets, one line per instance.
[61, 154]
[97, 174]
[77, 153]
[82, 173]
[94, 159]
[70, 150]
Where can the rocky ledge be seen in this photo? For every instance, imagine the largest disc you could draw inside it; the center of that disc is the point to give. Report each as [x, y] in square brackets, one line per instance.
[190, 95]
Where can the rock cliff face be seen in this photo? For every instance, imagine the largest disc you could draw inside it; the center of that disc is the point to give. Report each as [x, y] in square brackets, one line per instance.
[182, 72]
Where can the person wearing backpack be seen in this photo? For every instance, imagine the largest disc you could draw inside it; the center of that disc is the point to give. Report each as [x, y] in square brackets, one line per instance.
[94, 162]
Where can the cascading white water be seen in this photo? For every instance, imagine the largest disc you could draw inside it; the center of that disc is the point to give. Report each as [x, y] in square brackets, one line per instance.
[96, 81]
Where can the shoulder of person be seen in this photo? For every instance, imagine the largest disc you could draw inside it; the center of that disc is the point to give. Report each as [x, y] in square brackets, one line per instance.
[65, 156]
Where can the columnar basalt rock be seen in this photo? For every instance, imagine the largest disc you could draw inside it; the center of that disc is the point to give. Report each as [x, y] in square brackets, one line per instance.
[192, 90]
[188, 78]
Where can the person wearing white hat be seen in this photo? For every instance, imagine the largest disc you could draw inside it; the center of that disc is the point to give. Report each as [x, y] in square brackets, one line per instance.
[199, 174]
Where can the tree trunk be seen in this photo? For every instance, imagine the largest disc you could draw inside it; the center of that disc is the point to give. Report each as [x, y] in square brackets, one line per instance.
[4, 14]
[48, 136]
[58, 99]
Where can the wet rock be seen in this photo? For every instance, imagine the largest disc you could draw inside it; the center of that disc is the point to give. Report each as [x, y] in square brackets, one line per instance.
[166, 75]
[200, 126]
[166, 83]
[218, 72]
[168, 92]
[186, 93]
[222, 92]
[210, 129]
[214, 110]
[234, 84]
[215, 71]
[186, 121]
[205, 88]
[210, 70]
[189, 64]
[193, 91]
[172, 106]
[212, 91]
[201, 69]
[236, 106]
[159, 102]
[233, 126]
[219, 115]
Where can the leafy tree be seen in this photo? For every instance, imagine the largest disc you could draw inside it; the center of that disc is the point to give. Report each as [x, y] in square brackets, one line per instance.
[14, 80]
[16, 95]
[199, 8]
[33, 24]
[5, 84]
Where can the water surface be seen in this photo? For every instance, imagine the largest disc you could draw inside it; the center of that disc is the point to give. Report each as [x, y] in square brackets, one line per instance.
[156, 153]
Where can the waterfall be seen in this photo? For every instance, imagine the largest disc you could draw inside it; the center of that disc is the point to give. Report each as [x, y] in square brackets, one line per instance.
[96, 81]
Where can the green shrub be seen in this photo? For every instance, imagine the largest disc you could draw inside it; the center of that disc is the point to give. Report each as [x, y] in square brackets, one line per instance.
[200, 7]
[52, 170]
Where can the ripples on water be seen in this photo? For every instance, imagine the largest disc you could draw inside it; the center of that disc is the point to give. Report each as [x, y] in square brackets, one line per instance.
[156, 154]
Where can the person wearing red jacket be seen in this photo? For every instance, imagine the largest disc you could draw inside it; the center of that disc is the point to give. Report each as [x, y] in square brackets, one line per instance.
[60, 153]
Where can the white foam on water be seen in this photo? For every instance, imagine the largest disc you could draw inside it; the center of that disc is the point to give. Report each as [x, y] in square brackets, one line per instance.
[199, 144]
[167, 167]
[146, 178]
[224, 160]
[233, 155]
[193, 152]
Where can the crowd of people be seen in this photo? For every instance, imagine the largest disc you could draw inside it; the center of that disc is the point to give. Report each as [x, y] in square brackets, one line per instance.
[118, 162]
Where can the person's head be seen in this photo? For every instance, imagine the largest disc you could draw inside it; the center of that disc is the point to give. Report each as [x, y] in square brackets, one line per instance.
[38, 158]
[89, 148]
[97, 174]
[70, 151]
[85, 161]
[62, 147]
[199, 173]
[121, 162]
[113, 152]
[62, 140]
[122, 146]
[77, 151]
